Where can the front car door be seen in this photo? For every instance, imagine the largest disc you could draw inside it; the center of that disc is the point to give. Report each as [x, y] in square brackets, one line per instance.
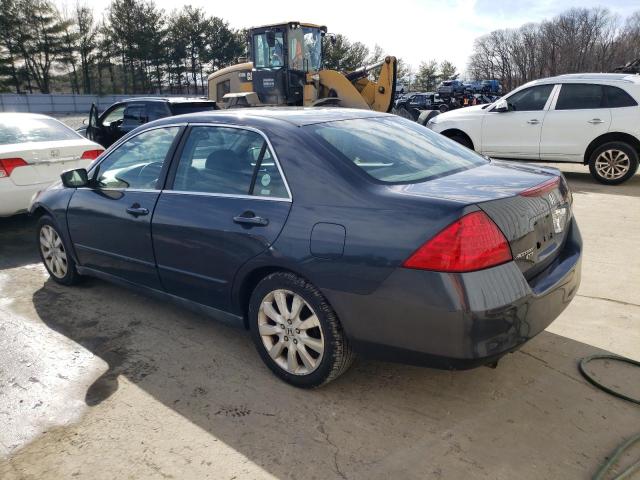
[226, 201]
[516, 132]
[110, 223]
[580, 115]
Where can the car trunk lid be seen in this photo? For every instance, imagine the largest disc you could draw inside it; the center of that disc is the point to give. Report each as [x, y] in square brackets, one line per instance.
[45, 160]
[531, 205]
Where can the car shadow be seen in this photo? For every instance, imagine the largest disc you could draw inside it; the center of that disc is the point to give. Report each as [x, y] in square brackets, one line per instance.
[534, 414]
[18, 244]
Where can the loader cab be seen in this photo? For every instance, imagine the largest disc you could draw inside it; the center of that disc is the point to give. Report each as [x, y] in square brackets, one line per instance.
[282, 56]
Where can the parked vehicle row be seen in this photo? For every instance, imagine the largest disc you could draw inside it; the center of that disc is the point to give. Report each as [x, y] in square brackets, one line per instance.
[593, 119]
[271, 211]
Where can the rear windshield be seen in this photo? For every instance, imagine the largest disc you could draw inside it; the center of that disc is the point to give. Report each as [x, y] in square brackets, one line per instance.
[183, 108]
[14, 129]
[395, 150]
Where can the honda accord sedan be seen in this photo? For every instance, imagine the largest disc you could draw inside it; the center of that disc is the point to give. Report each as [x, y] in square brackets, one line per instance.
[324, 232]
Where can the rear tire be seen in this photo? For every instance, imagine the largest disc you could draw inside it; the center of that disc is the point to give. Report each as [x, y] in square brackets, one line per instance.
[613, 163]
[296, 332]
[55, 253]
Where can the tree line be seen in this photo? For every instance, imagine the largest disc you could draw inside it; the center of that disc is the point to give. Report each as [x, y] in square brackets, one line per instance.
[575, 41]
[134, 47]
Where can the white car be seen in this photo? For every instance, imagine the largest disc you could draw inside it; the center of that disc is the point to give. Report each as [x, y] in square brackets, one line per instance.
[34, 150]
[593, 119]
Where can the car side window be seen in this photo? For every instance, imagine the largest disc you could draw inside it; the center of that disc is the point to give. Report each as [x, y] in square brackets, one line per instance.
[578, 96]
[156, 110]
[134, 115]
[617, 97]
[137, 162]
[117, 114]
[229, 161]
[530, 99]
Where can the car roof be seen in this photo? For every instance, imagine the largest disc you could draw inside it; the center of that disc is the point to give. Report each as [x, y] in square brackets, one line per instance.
[298, 116]
[6, 115]
[590, 77]
[168, 99]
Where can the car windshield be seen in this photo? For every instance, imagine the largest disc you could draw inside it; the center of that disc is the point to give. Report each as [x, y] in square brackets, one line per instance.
[33, 129]
[395, 150]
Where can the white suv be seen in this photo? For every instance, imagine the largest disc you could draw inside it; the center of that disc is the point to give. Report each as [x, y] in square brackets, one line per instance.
[591, 119]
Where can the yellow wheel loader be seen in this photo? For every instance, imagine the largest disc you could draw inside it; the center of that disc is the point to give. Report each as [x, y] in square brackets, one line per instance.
[285, 69]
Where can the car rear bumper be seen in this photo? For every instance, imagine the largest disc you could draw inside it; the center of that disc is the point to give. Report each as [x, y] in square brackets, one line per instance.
[16, 198]
[459, 320]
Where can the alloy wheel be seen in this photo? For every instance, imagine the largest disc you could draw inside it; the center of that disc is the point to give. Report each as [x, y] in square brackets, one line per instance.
[291, 332]
[53, 251]
[612, 164]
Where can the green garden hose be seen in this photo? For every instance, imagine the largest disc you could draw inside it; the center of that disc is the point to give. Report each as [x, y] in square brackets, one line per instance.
[601, 473]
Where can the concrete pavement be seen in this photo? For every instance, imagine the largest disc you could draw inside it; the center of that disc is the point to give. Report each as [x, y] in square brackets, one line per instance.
[99, 382]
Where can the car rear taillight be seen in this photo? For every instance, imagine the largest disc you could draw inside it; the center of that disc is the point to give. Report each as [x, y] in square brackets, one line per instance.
[7, 165]
[541, 189]
[472, 242]
[91, 154]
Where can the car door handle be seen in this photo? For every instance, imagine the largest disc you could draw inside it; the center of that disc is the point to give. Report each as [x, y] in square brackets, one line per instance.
[533, 121]
[137, 211]
[595, 121]
[248, 218]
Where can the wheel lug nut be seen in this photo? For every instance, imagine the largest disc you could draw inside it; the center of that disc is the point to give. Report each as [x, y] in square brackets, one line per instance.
[295, 341]
[282, 325]
[297, 330]
[286, 339]
[289, 322]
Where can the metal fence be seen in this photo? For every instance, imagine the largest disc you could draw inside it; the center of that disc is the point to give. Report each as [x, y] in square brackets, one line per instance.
[60, 102]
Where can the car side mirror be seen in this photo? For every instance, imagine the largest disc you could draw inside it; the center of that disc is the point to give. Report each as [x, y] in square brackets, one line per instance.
[501, 106]
[75, 178]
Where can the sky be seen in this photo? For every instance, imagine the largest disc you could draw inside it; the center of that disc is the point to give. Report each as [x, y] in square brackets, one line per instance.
[414, 30]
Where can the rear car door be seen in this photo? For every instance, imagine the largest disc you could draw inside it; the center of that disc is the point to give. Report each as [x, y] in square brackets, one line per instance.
[226, 201]
[110, 223]
[516, 133]
[580, 115]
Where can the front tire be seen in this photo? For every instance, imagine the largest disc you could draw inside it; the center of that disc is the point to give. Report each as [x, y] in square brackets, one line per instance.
[462, 140]
[54, 253]
[613, 163]
[296, 332]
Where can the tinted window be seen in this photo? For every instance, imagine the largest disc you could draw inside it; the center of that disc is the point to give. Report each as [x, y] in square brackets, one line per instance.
[156, 110]
[134, 115]
[183, 108]
[19, 129]
[223, 160]
[616, 97]
[394, 150]
[530, 99]
[580, 97]
[138, 161]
